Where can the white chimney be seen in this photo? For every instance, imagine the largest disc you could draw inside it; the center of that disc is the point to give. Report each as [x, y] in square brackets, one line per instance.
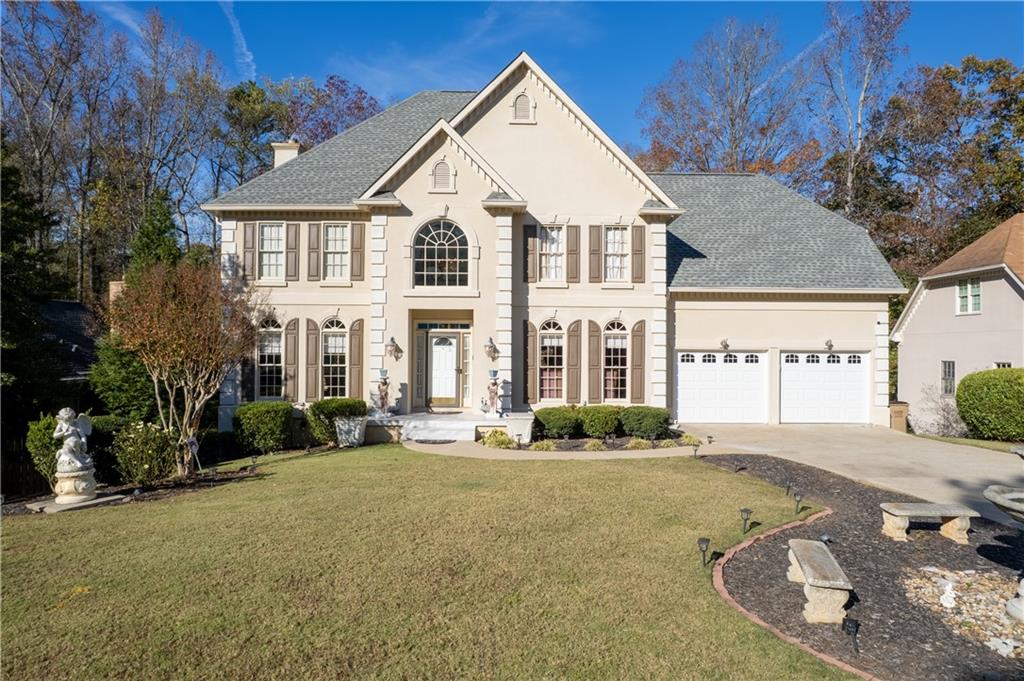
[284, 151]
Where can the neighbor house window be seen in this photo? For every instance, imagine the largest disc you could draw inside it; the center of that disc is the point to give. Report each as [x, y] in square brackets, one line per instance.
[269, 361]
[271, 250]
[551, 252]
[334, 359]
[948, 377]
[616, 253]
[968, 296]
[615, 361]
[441, 255]
[336, 252]
[551, 360]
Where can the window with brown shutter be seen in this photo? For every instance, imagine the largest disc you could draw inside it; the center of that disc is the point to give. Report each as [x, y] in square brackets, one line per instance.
[596, 269]
[638, 254]
[593, 362]
[572, 364]
[313, 264]
[636, 366]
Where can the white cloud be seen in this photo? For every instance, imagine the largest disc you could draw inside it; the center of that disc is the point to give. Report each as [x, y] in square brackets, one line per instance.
[244, 60]
[124, 15]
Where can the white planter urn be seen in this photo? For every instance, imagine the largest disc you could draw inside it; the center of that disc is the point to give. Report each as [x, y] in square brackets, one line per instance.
[350, 431]
[520, 427]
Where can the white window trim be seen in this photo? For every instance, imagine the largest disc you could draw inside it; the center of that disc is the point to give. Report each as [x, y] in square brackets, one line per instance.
[256, 372]
[347, 279]
[627, 277]
[324, 332]
[532, 119]
[605, 333]
[561, 335]
[970, 297]
[540, 254]
[272, 281]
[453, 175]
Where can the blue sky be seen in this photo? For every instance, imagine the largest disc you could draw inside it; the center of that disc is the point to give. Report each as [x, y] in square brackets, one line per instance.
[605, 55]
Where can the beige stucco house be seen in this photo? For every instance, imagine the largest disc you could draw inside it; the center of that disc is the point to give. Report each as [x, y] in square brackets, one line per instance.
[459, 233]
[966, 315]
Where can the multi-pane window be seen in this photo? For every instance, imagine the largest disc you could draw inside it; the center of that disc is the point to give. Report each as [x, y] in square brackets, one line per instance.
[853, 359]
[1003, 365]
[833, 359]
[708, 359]
[269, 361]
[336, 252]
[750, 359]
[968, 296]
[615, 361]
[813, 359]
[729, 358]
[334, 359]
[552, 356]
[948, 377]
[552, 249]
[441, 255]
[271, 250]
[616, 253]
[686, 358]
[792, 359]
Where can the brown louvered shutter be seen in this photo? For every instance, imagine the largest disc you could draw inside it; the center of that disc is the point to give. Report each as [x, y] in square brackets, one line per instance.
[355, 360]
[596, 271]
[639, 259]
[530, 335]
[530, 249]
[313, 271]
[249, 251]
[572, 364]
[572, 254]
[594, 391]
[291, 360]
[248, 373]
[358, 250]
[312, 361]
[291, 255]
[637, 355]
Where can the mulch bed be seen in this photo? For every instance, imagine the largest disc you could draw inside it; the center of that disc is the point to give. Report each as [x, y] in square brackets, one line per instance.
[163, 490]
[898, 639]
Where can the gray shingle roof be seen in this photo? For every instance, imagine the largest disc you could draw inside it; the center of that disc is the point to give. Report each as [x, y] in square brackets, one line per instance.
[342, 168]
[750, 231]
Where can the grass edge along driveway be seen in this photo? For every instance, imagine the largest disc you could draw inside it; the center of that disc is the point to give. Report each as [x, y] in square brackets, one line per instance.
[387, 563]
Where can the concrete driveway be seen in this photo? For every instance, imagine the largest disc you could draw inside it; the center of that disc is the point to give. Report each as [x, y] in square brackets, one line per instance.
[932, 470]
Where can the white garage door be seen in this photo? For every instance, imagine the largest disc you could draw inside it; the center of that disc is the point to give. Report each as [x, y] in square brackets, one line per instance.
[824, 388]
[722, 387]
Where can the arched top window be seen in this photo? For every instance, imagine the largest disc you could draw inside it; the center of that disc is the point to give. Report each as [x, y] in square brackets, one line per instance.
[730, 358]
[442, 177]
[334, 359]
[792, 359]
[686, 358]
[751, 359]
[550, 325]
[708, 359]
[616, 361]
[441, 255]
[615, 326]
[522, 108]
[334, 325]
[270, 360]
[853, 359]
[270, 324]
[813, 359]
[833, 359]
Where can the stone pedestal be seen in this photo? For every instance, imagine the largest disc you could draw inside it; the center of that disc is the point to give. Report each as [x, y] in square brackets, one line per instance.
[74, 487]
[1015, 606]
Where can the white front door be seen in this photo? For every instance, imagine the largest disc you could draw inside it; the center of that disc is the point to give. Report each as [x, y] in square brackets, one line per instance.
[824, 387]
[722, 387]
[444, 363]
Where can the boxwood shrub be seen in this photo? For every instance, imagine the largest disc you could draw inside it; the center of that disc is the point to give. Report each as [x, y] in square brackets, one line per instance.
[321, 415]
[650, 423]
[263, 427]
[991, 403]
[600, 420]
[42, 447]
[558, 422]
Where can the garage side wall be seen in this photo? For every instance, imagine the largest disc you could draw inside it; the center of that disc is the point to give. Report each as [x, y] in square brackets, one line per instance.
[774, 324]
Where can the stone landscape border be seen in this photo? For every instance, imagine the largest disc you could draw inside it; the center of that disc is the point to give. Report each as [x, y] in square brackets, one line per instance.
[718, 578]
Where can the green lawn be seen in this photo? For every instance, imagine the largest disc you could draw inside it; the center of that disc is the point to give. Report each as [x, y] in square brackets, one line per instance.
[386, 563]
[984, 444]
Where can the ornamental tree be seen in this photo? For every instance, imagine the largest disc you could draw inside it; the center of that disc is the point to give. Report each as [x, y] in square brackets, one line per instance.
[189, 329]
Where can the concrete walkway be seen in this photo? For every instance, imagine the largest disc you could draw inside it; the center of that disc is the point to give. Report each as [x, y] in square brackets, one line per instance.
[936, 471]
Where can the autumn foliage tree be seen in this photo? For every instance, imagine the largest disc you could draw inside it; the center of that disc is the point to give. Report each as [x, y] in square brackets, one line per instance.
[189, 330]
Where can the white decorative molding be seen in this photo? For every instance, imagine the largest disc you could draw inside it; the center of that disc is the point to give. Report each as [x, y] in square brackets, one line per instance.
[378, 296]
[882, 360]
[503, 316]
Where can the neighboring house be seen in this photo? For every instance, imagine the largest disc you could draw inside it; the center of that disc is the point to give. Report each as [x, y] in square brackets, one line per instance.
[966, 315]
[461, 232]
[71, 326]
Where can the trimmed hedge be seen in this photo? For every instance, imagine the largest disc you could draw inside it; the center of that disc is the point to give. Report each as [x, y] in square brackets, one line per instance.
[650, 423]
[145, 453]
[321, 415]
[42, 447]
[991, 403]
[262, 427]
[600, 420]
[558, 422]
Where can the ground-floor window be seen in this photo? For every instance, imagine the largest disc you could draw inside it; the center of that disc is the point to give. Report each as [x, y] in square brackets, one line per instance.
[335, 359]
[948, 377]
[551, 360]
[615, 361]
[269, 360]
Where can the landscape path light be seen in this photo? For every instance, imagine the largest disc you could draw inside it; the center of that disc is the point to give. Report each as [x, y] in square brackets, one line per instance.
[703, 543]
[745, 514]
[797, 497]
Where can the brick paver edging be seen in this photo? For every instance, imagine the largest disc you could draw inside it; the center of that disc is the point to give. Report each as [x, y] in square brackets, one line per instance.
[718, 577]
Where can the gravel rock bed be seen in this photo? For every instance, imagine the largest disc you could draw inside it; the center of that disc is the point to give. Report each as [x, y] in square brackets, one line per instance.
[899, 639]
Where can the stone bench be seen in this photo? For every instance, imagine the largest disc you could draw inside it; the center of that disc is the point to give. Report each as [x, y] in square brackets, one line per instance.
[826, 586]
[956, 519]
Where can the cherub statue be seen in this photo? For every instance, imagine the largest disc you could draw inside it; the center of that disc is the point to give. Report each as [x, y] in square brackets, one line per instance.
[74, 431]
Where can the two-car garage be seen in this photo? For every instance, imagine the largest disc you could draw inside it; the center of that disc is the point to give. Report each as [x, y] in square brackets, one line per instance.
[737, 386]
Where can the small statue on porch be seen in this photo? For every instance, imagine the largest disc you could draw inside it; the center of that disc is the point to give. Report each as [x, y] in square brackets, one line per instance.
[492, 396]
[383, 399]
[73, 455]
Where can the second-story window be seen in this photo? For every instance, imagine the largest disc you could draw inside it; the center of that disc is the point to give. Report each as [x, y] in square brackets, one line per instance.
[440, 255]
[336, 252]
[271, 250]
[968, 296]
[616, 253]
[552, 250]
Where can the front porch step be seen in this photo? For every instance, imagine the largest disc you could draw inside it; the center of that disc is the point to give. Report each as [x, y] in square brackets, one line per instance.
[439, 428]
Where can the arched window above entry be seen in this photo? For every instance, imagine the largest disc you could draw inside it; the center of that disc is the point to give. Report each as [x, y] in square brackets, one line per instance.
[442, 177]
[440, 255]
